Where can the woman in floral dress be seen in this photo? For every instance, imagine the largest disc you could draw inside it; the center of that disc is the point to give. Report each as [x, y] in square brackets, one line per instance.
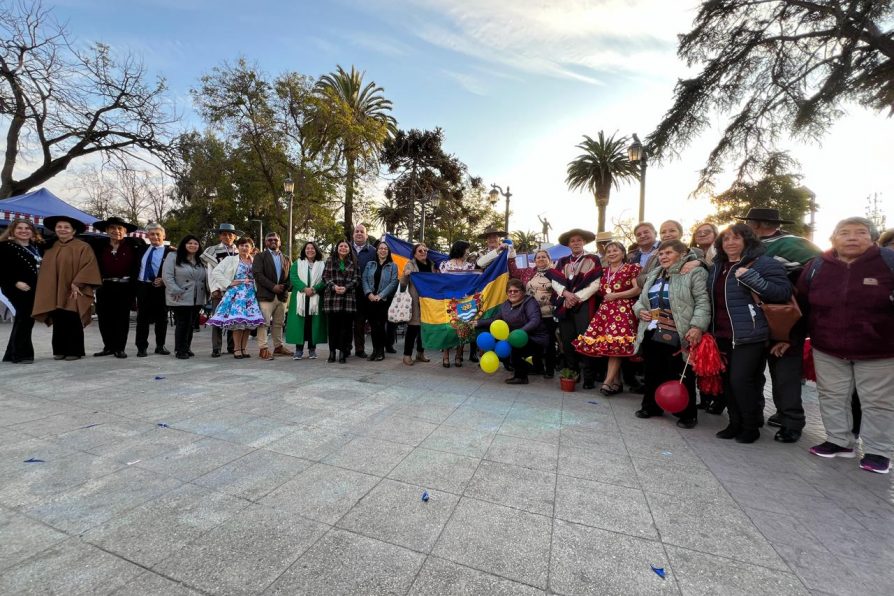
[238, 310]
[457, 262]
[612, 331]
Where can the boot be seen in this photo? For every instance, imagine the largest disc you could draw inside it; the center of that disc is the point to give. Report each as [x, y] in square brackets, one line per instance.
[342, 358]
[408, 360]
[420, 356]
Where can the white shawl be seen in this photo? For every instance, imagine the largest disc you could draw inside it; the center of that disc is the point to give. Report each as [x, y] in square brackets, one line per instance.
[316, 274]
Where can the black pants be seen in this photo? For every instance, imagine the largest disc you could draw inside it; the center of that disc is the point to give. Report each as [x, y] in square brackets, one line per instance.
[359, 324]
[570, 327]
[785, 373]
[662, 364]
[413, 336]
[341, 324]
[68, 333]
[517, 358]
[545, 358]
[20, 346]
[390, 334]
[113, 302]
[743, 383]
[378, 321]
[151, 310]
[183, 327]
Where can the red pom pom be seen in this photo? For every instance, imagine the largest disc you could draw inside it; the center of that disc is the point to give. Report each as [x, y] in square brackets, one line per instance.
[808, 369]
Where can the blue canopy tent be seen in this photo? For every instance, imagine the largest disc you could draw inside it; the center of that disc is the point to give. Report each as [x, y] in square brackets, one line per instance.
[38, 204]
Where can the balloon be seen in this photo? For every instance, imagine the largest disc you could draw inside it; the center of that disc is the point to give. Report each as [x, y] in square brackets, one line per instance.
[486, 342]
[499, 329]
[518, 338]
[672, 396]
[503, 349]
[489, 362]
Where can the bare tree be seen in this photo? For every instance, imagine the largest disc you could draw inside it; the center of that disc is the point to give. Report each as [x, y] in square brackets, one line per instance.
[100, 195]
[59, 104]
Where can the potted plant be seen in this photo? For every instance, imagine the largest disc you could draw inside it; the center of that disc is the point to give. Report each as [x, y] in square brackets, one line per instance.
[567, 379]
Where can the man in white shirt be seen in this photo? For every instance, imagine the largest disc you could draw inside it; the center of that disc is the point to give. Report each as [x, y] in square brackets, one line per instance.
[495, 245]
[151, 306]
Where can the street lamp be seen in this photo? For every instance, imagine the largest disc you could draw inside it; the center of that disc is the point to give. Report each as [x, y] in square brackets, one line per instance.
[288, 186]
[261, 232]
[425, 203]
[494, 196]
[638, 154]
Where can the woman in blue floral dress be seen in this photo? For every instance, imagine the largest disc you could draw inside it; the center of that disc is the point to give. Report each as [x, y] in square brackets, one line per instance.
[238, 310]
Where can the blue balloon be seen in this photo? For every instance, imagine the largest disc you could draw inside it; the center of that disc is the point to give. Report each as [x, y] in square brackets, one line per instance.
[503, 348]
[486, 342]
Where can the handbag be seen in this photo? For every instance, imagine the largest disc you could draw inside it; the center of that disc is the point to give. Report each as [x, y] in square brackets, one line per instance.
[665, 331]
[780, 317]
[401, 309]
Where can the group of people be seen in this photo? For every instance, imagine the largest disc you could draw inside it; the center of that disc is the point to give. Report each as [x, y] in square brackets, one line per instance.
[614, 317]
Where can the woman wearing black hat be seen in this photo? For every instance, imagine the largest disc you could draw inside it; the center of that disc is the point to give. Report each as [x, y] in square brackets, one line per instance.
[64, 295]
[20, 254]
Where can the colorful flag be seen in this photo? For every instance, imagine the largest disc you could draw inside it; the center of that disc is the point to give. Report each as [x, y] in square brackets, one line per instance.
[451, 303]
[402, 251]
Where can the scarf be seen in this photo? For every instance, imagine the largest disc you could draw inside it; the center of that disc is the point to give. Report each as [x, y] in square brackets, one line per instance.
[311, 276]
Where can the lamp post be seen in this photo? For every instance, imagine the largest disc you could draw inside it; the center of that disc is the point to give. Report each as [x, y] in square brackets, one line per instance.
[425, 203]
[261, 230]
[494, 196]
[638, 154]
[288, 186]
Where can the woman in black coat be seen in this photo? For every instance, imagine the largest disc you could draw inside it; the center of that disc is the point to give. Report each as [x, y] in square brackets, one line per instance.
[20, 256]
[339, 298]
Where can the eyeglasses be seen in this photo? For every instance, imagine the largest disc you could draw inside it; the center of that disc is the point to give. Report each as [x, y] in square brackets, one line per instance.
[704, 233]
[513, 291]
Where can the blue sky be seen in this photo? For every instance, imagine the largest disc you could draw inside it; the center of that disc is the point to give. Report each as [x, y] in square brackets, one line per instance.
[513, 83]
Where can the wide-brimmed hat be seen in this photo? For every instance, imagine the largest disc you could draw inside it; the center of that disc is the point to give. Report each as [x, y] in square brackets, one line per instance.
[49, 223]
[566, 236]
[491, 232]
[768, 215]
[102, 224]
[604, 236]
[227, 227]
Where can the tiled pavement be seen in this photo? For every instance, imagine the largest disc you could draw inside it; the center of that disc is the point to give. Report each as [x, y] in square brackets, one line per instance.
[306, 477]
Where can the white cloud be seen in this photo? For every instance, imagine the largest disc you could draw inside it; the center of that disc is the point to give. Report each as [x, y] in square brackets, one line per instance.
[469, 82]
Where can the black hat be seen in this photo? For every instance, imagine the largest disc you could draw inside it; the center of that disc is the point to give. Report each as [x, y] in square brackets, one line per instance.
[228, 228]
[767, 215]
[491, 232]
[566, 236]
[49, 223]
[102, 224]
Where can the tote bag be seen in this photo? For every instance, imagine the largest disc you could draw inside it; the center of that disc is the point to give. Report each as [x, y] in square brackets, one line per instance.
[401, 309]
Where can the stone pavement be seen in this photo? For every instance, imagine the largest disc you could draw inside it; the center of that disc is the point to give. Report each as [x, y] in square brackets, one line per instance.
[162, 476]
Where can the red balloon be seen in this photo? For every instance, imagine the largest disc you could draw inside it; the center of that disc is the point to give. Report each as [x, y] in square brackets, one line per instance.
[671, 396]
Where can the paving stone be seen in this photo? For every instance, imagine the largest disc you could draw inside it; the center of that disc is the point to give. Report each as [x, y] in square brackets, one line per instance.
[395, 512]
[400, 429]
[152, 584]
[701, 574]
[606, 506]
[819, 569]
[322, 493]
[310, 443]
[507, 542]
[605, 467]
[245, 554]
[532, 429]
[369, 455]
[439, 576]
[588, 560]
[345, 563]
[253, 475]
[37, 481]
[437, 470]
[22, 537]
[524, 452]
[514, 486]
[469, 417]
[670, 479]
[145, 446]
[462, 441]
[195, 459]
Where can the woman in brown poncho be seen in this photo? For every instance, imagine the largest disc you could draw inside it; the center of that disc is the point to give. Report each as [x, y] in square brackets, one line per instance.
[65, 285]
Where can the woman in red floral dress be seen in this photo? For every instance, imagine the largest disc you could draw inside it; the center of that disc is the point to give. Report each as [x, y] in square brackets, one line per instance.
[612, 331]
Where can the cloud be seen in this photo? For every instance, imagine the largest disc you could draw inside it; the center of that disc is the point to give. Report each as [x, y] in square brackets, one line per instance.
[469, 82]
[382, 45]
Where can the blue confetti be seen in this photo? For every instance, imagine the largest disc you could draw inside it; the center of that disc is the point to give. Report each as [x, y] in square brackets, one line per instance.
[595, 403]
[34, 460]
[666, 453]
[425, 496]
[159, 378]
[163, 425]
[90, 426]
[659, 571]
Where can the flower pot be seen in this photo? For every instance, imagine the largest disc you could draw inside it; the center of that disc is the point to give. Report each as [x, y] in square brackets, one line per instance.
[567, 384]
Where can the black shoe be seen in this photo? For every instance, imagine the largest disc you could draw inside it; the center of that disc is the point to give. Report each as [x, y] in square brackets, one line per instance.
[517, 381]
[390, 350]
[342, 358]
[362, 354]
[104, 352]
[730, 432]
[190, 353]
[473, 357]
[509, 368]
[142, 353]
[647, 414]
[331, 357]
[215, 353]
[182, 356]
[372, 357]
[380, 357]
[121, 354]
[748, 436]
[775, 420]
[688, 423]
[715, 408]
[588, 385]
[162, 350]
[784, 435]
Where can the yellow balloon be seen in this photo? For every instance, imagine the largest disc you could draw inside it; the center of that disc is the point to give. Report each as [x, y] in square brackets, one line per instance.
[489, 362]
[499, 329]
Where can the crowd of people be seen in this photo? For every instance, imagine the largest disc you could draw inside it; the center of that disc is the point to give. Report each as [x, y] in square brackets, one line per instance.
[623, 316]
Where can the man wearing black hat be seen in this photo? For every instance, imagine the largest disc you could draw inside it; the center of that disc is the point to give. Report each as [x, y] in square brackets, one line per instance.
[785, 367]
[118, 258]
[227, 233]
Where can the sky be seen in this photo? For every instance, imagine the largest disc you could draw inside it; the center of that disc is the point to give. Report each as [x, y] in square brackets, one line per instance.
[515, 84]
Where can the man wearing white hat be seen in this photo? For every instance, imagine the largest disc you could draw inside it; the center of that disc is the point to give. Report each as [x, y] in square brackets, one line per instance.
[227, 233]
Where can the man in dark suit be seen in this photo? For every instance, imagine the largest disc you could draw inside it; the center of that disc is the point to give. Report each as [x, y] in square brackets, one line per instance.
[365, 252]
[150, 289]
[271, 270]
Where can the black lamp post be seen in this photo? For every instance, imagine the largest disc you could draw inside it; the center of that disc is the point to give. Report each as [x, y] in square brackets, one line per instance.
[494, 196]
[288, 186]
[638, 154]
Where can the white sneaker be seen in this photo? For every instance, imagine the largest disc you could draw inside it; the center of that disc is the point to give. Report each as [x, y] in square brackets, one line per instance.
[312, 355]
[298, 355]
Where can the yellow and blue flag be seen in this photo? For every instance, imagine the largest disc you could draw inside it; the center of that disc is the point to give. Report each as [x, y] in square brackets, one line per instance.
[402, 252]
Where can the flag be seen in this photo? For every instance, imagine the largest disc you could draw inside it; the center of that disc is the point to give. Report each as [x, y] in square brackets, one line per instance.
[402, 251]
[451, 303]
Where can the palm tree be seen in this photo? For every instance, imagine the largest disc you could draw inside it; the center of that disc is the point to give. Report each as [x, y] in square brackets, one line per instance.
[356, 118]
[603, 164]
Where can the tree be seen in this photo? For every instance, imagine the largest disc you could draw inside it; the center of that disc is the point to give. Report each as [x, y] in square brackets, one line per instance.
[874, 212]
[603, 164]
[356, 119]
[525, 242]
[59, 104]
[776, 189]
[777, 66]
